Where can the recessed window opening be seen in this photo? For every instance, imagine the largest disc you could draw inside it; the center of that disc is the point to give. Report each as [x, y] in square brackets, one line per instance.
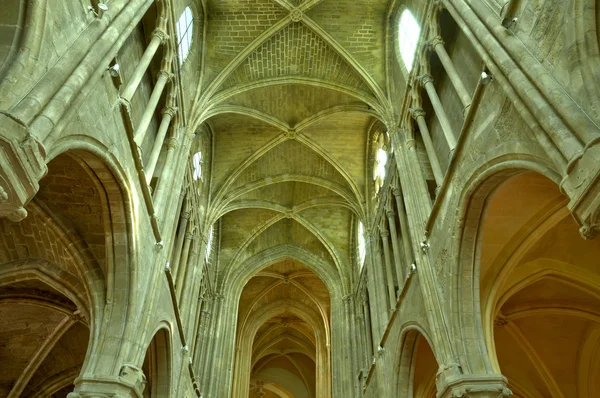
[185, 29]
[408, 36]
[197, 164]
[362, 247]
[209, 244]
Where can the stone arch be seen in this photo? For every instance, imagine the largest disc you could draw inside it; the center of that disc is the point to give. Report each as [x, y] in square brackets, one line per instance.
[36, 291]
[414, 346]
[472, 350]
[504, 273]
[157, 364]
[112, 184]
[237, 277]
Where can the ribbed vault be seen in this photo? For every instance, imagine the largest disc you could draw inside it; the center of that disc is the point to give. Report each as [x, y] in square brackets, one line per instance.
[290, 97]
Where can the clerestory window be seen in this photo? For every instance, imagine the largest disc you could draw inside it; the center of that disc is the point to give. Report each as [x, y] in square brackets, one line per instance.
[362, 247]
[197, 165]
[408, 37]
[381, 158]
[209, 244]
[185, 26]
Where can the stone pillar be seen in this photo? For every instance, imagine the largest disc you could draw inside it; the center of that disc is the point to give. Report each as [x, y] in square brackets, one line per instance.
[159, 36]
[164, 183]
[368, 330]
[418, 210]
[419, 115]
[403, 225]
[379, 312]
[167, 115]
[181, 231]
[427, 82]
[161, 82]
[437, 44]
[395, 248]
[183, 262]
[388, 267]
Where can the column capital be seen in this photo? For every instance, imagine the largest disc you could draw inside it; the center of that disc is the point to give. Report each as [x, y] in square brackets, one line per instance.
[435, 41]
[426, 78]
[160, 34]
[169, 110]
[416, 113]
[384, 233]
[172, 143]
[130, 383]
[163, 74]
[479, 386]
[389, 212]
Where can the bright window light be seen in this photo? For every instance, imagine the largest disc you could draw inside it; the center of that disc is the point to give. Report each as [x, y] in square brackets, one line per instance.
[185, 29]
[209, 244]
[408, 37]
[362, 247]
[380, 162]
[197, 163]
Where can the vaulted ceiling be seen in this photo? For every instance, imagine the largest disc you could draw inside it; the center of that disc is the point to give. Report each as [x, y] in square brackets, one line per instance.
[293, 92]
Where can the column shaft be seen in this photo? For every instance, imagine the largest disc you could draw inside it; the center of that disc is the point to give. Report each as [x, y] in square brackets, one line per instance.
[395, 248]
[168, 114]
[403, 226]
[438, 175]
[140, 132]
[388, 269]
[158, 36]
[183, 263]
[164, 183]
[438, 45]
[427, 82]
[368, 331]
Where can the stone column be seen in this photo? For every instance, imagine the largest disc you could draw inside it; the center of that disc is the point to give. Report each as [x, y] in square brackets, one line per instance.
[388, 267]
[167, 115]
[419, 115]
[181, 231]
[395, 248]
[379, 312]
[183, 262]
[437, 44]
[403, 225]
[161, 82]
[159, 36]
[187, 286]
[164, 183]
[368, 331]
[427, 82]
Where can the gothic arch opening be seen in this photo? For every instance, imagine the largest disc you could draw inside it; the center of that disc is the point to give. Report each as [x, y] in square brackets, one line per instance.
[283, 334]
[416, 367]
[157, 366]
[539, 291]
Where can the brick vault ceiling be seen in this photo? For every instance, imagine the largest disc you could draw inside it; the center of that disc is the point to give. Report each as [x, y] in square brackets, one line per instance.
[292, 91]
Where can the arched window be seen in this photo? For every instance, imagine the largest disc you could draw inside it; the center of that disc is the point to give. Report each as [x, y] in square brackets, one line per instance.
[408, 37]
[185, 26]
[209, 244]
[381, 158]
[197, 164]
[362, 247]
